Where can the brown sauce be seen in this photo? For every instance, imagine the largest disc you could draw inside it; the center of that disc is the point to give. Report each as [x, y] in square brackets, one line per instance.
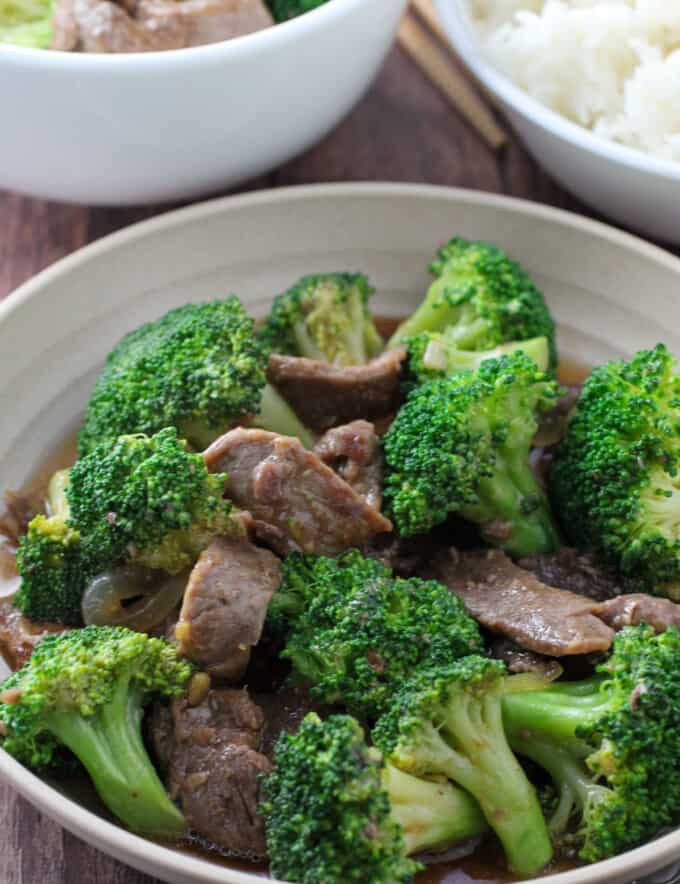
[387, 325]
[572, 372]
[483, 867]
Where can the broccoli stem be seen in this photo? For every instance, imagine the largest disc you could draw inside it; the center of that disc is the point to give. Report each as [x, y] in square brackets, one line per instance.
[57, 494]
[466, 335]
[109, 744]
[277, 416]
[32, 34]
[373, 342]
[542, 726]
[434, 314]
[555, 713]
[483, 763]
[513, 512]
[198, 434]
[353, 351]
[355, 336]
[433, 815]
[352, 340]
[569, 774]
[463, 328]
[305, 344]
[274, 415]
[457, 359]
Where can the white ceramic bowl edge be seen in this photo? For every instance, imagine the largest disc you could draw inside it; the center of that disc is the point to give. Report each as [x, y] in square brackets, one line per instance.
[638, 190]
[122, 129]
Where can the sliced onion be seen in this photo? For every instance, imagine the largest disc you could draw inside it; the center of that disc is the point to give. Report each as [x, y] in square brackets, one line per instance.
[435, 356]
[156, 595]
[451, 854]
[552, 429]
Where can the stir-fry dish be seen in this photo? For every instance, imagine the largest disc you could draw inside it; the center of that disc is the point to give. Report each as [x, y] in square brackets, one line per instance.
[354, 607]
[139, 25]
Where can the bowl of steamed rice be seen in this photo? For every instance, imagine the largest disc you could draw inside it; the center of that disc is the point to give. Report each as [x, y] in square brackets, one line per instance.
[593, 88]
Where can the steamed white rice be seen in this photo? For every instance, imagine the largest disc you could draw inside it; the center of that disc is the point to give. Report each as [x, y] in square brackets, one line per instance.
[612, 66]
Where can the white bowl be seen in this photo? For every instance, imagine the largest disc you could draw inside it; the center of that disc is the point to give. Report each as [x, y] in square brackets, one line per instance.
[56, 330]
[629, 186]
[151, 127]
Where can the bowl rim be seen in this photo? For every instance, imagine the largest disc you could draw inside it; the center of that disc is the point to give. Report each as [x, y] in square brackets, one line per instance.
[114, 839]
[460, 32]
[258, 42]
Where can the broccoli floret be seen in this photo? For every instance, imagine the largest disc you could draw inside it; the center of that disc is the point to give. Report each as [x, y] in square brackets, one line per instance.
[447, 721]
[149, 500]
[54, 571]
[433, 355]
[433, 814]
[461, 445]
[304, 577]
[282, 10]
[357, 632]
[86, 690]
[335, 814]
[143, 500]
[615, 480]
[325, 318]
[199, 368]
[481, 299]
[610, 743]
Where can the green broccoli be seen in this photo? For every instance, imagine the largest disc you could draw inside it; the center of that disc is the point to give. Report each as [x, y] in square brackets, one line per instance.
[433, 814]
[149, 500]
[327, 816]
[615, 480]
[447, 721]
[481, 299]
[51, 560]
[54, 571]
[610, 743]
[324, 318]
[199, 368]
[282, 10]
[433, 355]
[143, 500]
[86, 690]
[26, 23]
[461, 445]
[335, 813]
[356, 632]
[305, 577]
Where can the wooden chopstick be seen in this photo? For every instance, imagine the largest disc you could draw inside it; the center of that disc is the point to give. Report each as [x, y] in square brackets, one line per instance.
[426, 10]
[428, 13]
[436, 64]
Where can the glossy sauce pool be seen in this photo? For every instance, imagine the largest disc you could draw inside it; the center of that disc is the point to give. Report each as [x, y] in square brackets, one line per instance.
[484, 866]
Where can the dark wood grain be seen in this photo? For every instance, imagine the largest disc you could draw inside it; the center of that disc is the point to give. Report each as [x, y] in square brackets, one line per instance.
[403, 131]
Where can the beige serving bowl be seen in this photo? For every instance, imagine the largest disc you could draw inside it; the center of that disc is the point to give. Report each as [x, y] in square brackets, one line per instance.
[610, 293]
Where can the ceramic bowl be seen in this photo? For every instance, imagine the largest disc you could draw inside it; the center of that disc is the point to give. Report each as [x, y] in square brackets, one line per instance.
[158, 126]
[56, 330]
[631, 187]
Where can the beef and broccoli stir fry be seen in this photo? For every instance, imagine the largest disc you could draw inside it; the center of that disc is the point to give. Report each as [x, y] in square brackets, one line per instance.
[348, 605]
[139, 25]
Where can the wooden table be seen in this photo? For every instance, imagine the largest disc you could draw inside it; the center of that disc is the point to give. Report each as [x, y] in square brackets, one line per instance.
[402, 131]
